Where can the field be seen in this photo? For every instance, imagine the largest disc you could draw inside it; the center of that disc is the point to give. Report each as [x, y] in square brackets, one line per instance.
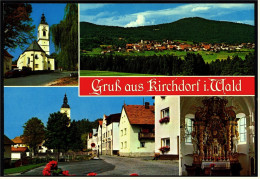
[207, 56]
[109, 73]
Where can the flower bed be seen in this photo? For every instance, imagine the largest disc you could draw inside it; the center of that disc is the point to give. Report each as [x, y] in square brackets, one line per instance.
[164, 120]
[51, 169]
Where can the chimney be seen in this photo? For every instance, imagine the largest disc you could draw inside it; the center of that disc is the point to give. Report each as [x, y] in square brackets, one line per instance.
[147, 105]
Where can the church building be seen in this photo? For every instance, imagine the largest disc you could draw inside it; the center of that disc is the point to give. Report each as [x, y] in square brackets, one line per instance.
[37, 55]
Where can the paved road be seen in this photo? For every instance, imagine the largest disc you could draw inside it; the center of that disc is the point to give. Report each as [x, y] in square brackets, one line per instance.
[77, 168]
[116, 166]
[141, 166]
[35, 80]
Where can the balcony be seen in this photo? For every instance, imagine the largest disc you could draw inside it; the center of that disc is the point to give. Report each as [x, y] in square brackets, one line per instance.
[149, 135]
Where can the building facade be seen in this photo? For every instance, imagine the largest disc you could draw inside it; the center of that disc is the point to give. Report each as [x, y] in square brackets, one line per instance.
[110, 134]
[7, 62]
[136, 130]
[167, 126]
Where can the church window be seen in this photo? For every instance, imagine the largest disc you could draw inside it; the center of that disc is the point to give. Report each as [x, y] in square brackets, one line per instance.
[36, 56]
[242, 129]
[165, 113]
[122, 145]
[188, 130]
[125, 144]
[44, 33]
[28, 60]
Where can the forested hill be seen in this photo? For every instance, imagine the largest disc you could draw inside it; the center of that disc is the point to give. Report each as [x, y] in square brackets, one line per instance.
[189, 29]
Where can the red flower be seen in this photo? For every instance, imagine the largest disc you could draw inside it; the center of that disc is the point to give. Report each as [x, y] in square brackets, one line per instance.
[53, 164]
[212, 165]
[91, 174]
[65, 173]
[46, 172]
[164, 120]
[134, 174]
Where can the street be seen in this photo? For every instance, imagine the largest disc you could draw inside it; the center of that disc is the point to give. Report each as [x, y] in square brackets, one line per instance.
[117, 166]
[35, 80]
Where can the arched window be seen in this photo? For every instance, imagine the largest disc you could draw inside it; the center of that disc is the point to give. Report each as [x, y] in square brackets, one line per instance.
[242, 129]
[44, 33]
[188, 128]
[28, 60]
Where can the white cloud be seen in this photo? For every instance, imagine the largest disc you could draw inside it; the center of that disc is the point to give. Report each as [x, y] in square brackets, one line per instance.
[171, 14]
[84, 7]
[140, 21]
[200, 9]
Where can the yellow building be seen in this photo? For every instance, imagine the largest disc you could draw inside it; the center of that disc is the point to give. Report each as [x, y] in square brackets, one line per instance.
[7, 61]
[136, 130]
[37, 55]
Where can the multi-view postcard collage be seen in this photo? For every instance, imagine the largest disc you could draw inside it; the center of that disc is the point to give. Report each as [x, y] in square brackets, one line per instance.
[129, 89]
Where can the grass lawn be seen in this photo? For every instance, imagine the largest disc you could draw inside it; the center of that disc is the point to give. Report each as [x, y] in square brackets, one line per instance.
[22, 168]
[110, 73]
[207, 56]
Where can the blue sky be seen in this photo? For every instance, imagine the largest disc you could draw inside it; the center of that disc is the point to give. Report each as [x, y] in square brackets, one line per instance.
[54, 13]
[132, 15]
[23, 103]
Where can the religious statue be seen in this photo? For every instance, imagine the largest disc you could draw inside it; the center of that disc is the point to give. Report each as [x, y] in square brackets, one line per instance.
[215, 146]
[195, 143]
[235, 142]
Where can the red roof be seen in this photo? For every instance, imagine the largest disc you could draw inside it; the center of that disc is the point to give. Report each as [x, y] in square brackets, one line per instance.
[18, 140]
[100, 123]
[138, 114]
[90, 135]
[19, 149]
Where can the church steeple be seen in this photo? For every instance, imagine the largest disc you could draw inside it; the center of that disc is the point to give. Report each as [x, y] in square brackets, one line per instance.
[44, 35]
[65, 102]
[43, 21]
[65, 108]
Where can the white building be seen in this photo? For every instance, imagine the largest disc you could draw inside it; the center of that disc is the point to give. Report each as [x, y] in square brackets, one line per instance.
[167, 126]
[110, 134]
[136, 130]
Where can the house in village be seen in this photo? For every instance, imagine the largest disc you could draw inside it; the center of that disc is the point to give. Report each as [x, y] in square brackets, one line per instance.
[92, 140]
[7, 62]
[7, 151]
[136, 130]
[110, 134]
[167, 126]
[37, 55]
[99, 136]
[19, 149]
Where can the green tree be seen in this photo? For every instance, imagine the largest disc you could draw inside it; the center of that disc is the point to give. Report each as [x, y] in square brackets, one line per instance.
[17, 26]
[74, 137]
[57, 132]
[65, 38]
[33, 133]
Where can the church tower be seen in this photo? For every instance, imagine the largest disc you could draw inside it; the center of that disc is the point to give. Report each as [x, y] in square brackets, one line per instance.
[44, 35]
[65, 108]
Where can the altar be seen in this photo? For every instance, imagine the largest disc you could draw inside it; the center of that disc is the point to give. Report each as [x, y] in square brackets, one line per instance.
[214, 138]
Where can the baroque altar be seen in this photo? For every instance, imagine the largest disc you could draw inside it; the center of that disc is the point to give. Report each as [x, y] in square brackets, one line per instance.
[215, 135]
